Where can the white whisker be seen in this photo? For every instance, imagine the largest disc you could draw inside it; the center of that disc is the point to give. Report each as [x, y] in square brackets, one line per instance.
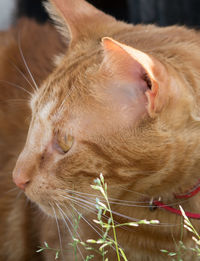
[58, 228]
[17, 86]
[63, 215]
[90, 206]
[92, 226]
[19, 194]
[14, 101]
[134, 192]
[92, 209]
[25, 63]
[11, 190]
[78, 200]
[23, 75]
[111, 200]
[82, 205]
[86, 220]
[114, 201]
[91, 203]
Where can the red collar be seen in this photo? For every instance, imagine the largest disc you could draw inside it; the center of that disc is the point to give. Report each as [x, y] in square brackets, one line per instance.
[189, 194]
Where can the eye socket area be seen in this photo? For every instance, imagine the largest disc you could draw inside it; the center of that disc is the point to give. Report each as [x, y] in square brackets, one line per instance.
[63, 143]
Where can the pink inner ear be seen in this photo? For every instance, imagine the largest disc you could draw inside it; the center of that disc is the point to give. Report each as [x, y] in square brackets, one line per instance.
[128, 85]
[127, 99]
[131, 65]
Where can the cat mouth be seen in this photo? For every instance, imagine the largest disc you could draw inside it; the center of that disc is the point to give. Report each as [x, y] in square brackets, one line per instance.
[67, 208]
[49, 207]
[61, 205]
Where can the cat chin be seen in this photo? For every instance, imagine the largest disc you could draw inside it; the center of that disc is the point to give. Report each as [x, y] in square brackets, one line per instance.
[50, 211]
[44, 205]
[47, 210]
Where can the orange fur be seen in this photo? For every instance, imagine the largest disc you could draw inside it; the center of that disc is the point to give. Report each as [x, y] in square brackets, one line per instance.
[131, 102]
[19, 226]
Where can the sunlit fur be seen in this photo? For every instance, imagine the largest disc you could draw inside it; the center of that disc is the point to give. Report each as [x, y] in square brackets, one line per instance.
[143, 151]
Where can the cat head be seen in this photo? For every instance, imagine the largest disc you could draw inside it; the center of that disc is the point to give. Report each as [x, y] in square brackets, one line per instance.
[109, 107]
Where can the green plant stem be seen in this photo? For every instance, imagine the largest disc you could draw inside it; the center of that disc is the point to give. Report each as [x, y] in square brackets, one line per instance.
[113, 227]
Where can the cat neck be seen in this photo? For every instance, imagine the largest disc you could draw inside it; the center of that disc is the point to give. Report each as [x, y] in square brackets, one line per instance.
[154, 204]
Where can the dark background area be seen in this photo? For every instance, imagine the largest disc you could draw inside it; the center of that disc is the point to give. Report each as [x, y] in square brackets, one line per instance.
[161, 12]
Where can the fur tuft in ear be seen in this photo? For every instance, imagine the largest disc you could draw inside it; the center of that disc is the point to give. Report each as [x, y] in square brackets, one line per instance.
[144, 71]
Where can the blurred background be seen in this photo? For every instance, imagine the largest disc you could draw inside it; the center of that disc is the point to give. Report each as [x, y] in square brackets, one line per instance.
[161, 12]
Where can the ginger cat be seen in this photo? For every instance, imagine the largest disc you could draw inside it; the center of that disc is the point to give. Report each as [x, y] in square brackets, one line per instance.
[123, 100]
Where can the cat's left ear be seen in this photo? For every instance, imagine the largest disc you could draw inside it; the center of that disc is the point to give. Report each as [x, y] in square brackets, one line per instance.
[76, 19]
[138, 67]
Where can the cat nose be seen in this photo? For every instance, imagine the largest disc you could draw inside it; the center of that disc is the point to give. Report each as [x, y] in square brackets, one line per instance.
[21, 184]
[20, 180]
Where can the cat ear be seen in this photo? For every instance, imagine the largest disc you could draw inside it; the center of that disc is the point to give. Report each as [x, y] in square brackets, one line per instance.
[144, 71]
[76, 18]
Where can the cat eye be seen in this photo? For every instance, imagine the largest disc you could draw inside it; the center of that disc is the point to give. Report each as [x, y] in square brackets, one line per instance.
[65, 143]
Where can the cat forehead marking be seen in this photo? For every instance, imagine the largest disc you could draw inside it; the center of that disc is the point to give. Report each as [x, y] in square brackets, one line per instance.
[46, 110]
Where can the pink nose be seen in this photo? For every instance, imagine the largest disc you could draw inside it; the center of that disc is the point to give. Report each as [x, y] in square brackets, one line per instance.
[21, 181]
[21, 184]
